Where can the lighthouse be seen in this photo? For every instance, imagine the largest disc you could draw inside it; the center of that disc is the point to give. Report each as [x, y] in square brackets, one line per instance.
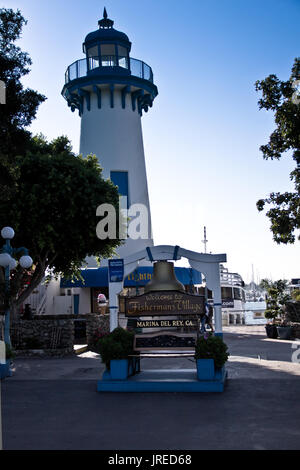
[111, 91]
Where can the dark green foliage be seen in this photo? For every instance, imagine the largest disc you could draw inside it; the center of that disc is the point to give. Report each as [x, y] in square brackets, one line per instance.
[281, 98]
[53, 212]
[292, 310]
[9, 353]
[277, 297]
[21, 104]
[213, 347]
[296, 295]
[115, 345]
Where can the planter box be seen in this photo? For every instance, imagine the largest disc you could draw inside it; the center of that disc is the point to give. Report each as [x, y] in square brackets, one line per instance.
[4, 370]
[284, 332]
[205, 369]
[295, 330]
[122, 369]
[119, 369]
[271, 331]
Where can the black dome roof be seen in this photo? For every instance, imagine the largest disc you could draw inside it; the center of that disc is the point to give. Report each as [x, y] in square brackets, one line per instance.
[107, 33]
[110, 34]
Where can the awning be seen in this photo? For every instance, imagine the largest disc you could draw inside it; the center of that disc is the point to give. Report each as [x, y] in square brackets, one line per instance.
[99, 277]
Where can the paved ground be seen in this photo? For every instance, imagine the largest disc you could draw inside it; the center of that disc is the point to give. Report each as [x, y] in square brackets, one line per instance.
[53, 403]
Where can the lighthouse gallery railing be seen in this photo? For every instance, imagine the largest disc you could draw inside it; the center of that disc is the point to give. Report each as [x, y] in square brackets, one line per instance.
[81, 67]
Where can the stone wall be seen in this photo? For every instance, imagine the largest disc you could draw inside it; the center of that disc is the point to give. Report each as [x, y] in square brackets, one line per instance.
[47, 332]
[54, 335]
[94, 323]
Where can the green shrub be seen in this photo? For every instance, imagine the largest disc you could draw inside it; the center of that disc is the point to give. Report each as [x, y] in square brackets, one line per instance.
[116, 345]
[213, 347]
[272, 313]
[9, 353]
[296, 295]
[277, 297]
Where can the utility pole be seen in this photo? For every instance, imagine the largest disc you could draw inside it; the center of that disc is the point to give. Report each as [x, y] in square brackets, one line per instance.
[253, 284]
[205, 241]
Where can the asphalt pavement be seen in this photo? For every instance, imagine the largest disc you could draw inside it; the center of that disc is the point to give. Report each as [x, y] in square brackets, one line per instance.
[53, 404]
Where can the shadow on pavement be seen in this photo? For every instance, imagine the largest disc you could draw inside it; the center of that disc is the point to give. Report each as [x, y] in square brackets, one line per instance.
[52, 404]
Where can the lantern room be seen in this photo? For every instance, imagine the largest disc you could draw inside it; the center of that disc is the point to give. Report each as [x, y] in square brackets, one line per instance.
[107, 47]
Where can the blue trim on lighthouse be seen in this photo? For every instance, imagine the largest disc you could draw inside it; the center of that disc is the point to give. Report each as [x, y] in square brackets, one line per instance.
[144, 96]
[125, 91]
[86, 76]
[99, 95]
[87, 96]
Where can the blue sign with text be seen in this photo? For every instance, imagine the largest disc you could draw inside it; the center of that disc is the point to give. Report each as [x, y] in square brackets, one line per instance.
[116, 270]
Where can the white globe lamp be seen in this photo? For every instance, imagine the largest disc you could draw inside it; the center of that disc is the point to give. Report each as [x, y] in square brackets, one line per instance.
[7, 233]
[13, 264]
[5, 260]
[26, 262]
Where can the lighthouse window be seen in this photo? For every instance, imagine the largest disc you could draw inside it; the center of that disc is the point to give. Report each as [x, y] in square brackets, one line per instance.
[122, 56]
[93, 56]
[108, 55]
[120, 179]
[93, 52]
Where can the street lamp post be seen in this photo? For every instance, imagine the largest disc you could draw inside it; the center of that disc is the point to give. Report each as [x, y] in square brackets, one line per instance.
[9, 263]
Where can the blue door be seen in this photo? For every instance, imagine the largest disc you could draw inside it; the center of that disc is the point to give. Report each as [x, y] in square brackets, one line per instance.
[76, 304]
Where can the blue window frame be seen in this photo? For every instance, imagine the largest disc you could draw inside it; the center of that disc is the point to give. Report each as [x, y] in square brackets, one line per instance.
[120, 179]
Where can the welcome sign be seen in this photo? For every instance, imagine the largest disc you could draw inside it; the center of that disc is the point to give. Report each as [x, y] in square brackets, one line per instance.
[164, 303]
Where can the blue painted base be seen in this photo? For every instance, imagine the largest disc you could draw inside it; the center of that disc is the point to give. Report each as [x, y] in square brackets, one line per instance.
[5, 370]
[205, 369]
[165, 380]
[132, 367]
[119, 369]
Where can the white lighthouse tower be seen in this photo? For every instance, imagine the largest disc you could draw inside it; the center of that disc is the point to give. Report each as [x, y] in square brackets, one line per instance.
[111, 90]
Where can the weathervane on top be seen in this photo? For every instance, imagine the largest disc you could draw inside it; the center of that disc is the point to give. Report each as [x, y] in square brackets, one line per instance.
[105, 23]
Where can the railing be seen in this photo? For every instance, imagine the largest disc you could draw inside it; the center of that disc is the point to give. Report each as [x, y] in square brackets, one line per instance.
[42, 305]
[80, 68]
[37, 300]
[234, 279]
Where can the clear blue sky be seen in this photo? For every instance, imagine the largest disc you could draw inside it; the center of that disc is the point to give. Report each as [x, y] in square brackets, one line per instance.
[203, 134]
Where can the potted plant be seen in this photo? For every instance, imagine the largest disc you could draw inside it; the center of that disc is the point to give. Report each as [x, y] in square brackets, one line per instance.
[271, 327]
[271, 330]
[211, 353]
[276, 298]
[114, 350]
[284, 330]
[5, 367]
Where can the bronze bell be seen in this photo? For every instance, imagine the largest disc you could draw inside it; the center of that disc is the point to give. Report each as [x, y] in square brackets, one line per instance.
[163, 278]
